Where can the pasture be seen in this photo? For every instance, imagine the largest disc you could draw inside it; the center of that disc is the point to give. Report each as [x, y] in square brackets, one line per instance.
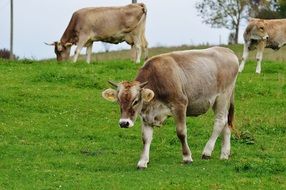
[56, 132]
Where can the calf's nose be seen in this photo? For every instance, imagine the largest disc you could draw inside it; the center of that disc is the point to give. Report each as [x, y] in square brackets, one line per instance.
[124, 124]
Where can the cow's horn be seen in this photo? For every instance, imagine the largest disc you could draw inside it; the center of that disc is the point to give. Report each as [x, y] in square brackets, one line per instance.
[68, 44]
[50, 44]
[113, 83]
[143, 84]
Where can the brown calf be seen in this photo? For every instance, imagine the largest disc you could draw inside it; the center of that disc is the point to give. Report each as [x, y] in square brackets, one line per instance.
[180, 84]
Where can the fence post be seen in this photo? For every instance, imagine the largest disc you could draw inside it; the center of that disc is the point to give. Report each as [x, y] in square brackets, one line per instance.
[11, 30]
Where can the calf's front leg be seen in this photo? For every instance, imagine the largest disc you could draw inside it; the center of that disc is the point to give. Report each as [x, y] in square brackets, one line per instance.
[147, 135]
[181, 129]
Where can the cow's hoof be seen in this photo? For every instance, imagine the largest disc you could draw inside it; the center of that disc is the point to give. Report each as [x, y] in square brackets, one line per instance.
[142, 165]
[224, 156]
[206, 157]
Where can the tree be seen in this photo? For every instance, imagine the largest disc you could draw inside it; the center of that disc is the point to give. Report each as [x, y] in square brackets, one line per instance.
[282, 8]
[265, 9]
[277, 9]
[224, 13]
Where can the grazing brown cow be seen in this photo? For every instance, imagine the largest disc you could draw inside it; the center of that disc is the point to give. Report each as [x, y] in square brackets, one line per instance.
[180, 84]
[261, 34]
[107, 24]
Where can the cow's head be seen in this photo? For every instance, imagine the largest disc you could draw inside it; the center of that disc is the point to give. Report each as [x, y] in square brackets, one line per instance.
[62, 50]
[130, 97]
[256, 30]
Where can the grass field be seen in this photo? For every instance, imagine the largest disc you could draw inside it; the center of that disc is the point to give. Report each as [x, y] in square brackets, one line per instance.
[56, 132]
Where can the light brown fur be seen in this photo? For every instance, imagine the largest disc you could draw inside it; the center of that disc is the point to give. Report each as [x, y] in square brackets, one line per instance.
[181, 84]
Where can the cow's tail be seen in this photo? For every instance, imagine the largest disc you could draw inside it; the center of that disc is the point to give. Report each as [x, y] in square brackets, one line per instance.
[143, 17]
[144, 8]
[230, 117]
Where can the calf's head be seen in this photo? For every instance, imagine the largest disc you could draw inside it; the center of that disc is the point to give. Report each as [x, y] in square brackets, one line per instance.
[62, 50]
[256, 30]
[130, 97]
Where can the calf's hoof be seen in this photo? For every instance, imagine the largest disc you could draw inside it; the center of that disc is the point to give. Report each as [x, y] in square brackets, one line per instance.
[187, 161]
[206, 157]
[141, 168]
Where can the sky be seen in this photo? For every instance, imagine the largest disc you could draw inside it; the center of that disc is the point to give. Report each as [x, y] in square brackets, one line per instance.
[169, 23]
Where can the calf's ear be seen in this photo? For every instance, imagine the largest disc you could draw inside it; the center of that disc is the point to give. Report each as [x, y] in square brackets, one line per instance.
[110, 95]
[147, 94]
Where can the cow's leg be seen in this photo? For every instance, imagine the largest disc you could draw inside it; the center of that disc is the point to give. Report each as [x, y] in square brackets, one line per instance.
[220, 121]
[180, 118]
[147, 135]
[81, 43]
[133, 53]
[88, 53]
[77, 52]
[137, 46]
[144, 47]
[244, 56]
[225, 149]
[259, 55]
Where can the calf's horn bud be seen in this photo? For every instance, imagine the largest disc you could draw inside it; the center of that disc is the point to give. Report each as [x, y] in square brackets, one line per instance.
[143, 84]
[113, 83]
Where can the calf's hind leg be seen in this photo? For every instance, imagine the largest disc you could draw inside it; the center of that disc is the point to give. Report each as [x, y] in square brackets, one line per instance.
[220, 109]
[225, 148]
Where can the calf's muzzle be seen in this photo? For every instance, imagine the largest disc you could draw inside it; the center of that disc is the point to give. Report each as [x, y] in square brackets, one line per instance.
[125, 123]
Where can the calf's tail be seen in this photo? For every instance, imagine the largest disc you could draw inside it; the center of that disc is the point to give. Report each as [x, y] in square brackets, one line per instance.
[230, 117]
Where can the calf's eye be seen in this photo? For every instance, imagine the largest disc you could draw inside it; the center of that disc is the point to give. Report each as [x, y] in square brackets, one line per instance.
[135, 102]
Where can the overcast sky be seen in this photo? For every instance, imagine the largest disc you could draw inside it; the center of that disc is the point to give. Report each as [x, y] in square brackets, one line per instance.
[169, 23]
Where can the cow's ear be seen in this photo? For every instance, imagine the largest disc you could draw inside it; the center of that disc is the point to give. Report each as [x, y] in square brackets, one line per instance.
[147, 94]
[110, 95]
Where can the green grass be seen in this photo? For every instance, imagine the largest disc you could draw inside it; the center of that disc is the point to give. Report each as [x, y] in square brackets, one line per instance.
[56, 132]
